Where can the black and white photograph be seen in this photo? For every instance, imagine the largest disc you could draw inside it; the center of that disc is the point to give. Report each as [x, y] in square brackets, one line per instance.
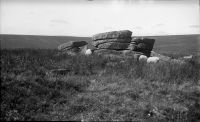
[100, 60]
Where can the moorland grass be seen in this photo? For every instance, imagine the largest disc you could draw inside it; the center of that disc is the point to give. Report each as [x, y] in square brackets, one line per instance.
[93, 90]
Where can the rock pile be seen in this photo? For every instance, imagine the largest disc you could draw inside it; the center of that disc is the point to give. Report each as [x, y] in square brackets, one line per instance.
[121, 43]
[114, 40]
[114, 43]
[72, 47]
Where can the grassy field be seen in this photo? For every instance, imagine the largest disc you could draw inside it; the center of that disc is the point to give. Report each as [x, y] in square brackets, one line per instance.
[96, 88]
[163, 44]
[36, 41]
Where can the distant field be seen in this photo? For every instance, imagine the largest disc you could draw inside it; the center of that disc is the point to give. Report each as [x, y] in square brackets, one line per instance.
[30, 41]
[170, 43]
[177, 43]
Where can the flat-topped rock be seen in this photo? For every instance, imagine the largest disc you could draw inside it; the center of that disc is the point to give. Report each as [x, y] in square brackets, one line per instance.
[96, 43]
[122, 34]
[114, 46]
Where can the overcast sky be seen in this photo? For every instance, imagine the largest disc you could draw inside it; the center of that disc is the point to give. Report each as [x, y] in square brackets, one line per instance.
[87, 17]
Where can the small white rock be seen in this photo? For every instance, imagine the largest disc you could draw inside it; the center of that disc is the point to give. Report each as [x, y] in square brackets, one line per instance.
[153, 60]
[188, 57]
[143, 58]
[88, 52]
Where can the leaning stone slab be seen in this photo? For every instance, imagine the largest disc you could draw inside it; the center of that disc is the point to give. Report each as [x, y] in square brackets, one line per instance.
[135, 40]
[114, 46]
[98, 42]
[146, 52]
[71, 44]
[112, 35]
[142, 46]
[148, 42]
[143, 40]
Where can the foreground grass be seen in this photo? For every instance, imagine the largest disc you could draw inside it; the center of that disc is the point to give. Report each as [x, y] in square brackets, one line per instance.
[96, 88]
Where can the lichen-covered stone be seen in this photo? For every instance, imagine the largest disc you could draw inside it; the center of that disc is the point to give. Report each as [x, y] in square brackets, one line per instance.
[114, 46]
[132, 47]
[144, 43]
[98, 42]
[123, 34]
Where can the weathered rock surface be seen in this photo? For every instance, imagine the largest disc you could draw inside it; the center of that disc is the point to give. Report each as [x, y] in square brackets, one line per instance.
[136, 40]
[142, 46]
[146, 53]
[121, 43]
[143, 40]
[71, 44]
[86, 47]
[96, 43]
[123, 34]
[132, 47]
[119, 52]
[60, 71]
[107, 51]
[114, 46]
[144, 43]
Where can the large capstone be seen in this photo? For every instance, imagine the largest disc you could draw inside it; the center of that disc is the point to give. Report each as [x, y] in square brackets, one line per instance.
[123, 34]
[98, 42]
[114, 46]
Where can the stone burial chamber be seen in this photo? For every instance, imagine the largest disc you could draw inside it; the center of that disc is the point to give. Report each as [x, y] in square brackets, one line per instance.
[122, 43]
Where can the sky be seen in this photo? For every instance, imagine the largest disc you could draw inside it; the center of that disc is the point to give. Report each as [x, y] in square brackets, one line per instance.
[88, 17]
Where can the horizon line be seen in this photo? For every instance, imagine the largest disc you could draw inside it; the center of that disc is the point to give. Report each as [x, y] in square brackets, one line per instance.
[91, 36]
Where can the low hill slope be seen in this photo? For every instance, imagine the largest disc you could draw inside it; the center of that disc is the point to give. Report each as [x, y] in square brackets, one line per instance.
[30, 41]
[169, 43]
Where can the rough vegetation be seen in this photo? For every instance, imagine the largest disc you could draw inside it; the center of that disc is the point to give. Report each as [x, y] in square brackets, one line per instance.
[96, 88]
